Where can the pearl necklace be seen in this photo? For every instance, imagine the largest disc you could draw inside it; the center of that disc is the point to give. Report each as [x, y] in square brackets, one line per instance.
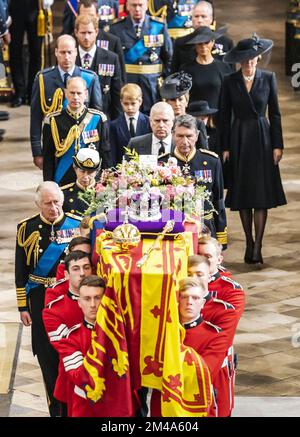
[248, 78]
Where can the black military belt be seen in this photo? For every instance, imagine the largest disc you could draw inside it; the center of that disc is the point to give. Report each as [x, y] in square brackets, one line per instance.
[40, 280]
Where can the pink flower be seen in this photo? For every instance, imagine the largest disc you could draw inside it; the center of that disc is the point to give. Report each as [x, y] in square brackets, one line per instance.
[99, 188]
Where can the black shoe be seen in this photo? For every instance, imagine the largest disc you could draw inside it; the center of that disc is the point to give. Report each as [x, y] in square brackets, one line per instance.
[249, 253]
[17, 102]
[257, 256]
[4, 115]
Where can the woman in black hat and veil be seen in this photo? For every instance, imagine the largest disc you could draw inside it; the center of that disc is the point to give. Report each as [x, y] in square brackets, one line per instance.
[251, 141]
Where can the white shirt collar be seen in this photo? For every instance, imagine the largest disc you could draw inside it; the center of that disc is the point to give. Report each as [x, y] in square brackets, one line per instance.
[156, 144]
[90, 52]
[135, 116]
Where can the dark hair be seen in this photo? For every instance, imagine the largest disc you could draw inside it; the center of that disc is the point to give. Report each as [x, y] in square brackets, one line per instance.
[87, 4]
[76, 241]
[75, 256]
[92, 281]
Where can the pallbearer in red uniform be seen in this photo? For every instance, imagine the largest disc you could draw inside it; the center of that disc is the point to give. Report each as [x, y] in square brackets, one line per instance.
[226, 299]
[63, 312]
[75, 346]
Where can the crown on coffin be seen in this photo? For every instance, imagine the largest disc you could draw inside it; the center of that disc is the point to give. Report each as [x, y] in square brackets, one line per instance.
[144, 204]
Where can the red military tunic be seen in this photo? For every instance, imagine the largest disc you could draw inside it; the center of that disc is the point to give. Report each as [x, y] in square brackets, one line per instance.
[222, 314]
[60, 271]
[73, 349]
[60, 315]
[58, 289]
[223, 287]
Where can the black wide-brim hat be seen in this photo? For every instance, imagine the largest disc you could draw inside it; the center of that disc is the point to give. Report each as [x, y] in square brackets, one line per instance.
[200, 107]
[203, 34]
[176, 85]
[247, 49]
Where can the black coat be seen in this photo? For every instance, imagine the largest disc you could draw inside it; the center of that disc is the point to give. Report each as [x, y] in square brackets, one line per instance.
[251, 137]
[206, 167]
[107, 67]
[184, 53]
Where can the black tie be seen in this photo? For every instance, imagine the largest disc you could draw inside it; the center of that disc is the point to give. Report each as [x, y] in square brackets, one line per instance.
[137, 30]
[66, 75]
[131, 127]
[162, 149]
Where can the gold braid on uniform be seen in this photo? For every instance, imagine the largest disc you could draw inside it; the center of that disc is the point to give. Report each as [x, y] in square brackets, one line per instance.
[63, 146]
[162, 12]
[57, 99]
[30, 245]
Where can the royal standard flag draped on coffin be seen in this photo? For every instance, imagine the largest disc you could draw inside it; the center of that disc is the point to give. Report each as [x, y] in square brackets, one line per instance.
[138, 341]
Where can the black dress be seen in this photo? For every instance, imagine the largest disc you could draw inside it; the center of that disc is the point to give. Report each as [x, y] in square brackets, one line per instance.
[250, 137]
[207, 81]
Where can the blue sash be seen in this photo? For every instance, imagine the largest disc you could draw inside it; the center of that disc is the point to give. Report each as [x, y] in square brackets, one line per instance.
[50, 256]
[177, 22]
[139, 49]
[73, 6]
[65, 162]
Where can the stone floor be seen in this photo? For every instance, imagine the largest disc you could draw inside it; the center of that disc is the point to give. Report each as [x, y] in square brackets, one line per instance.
[268, 338]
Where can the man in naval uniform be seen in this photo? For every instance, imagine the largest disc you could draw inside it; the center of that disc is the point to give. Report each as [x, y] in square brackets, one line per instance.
[48, 91]
[73, 128]
[147, 49]
[86, 164]
[206, 167]
[41, 243]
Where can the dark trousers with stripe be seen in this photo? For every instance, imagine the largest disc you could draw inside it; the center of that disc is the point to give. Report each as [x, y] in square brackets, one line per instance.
[41, 347]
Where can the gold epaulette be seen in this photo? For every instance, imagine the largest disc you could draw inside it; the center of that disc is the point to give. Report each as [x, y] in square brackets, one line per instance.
[159, 19]
[64, 187]
[29, 244]
[217, 328]
[209, 152]
[52, 114]
[77, 217]
[96, 111]
[117, 20]
[28, 218]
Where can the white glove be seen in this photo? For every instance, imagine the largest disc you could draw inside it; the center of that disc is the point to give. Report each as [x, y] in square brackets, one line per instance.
[47, 3]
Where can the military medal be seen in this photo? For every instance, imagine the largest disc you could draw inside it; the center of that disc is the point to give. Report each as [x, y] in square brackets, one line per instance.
[102, 43]
[153, 56]
[52, 235]
[66, 235]
[90, 136]
[106, 70]
[152, 41]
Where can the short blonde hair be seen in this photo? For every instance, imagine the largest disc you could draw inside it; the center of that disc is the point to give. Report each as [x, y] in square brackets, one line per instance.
[187, 283]
[133, 91]
[213, 241]
[194, 260]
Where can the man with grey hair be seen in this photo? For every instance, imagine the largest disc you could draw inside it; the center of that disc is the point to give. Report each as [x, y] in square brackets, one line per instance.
[40, 245]
[48, 91]
[202, 15]
[160, 142]
[206, 167]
